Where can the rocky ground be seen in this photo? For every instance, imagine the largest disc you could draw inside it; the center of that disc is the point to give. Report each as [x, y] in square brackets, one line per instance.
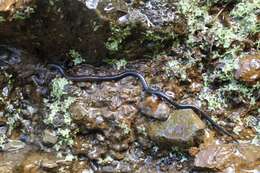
[51, 124]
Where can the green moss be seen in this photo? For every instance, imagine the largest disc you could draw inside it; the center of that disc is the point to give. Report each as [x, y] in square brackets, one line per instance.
[177, 68]
[59, 105]
[197, 16]
[2, 19]
[23, 14]
[157, 42]
[223, 44]
[215, 99]
[126, 129]
[58, 87]
[12, 111]
[174, 68]
[76, 57]
[134, 40]
[117, 64]
[118, 35]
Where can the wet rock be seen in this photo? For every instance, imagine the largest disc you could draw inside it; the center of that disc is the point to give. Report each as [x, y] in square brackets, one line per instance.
[90, 146]
[181, 128]
[36, 162]
[10, 55]
[117, 167]
[233, 157]
[90, 117]
[81, 167]
[49, 137]
[208, 139]
[14, 145]
[79, 26]
[10, 160]
[30, 160]
[112, 9]
[58, 119]
[249, 69]
[86, 29]
[108, 116]
[153, 107]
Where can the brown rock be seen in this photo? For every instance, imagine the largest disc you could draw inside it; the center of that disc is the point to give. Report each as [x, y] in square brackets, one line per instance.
[81, 167]
[229, 156]
[90, 117]
[181, 128]
[249, 69]
[35, 162]
[90, 147]
[9, 161]
[49, 137]
[193, 151]
[154, 107]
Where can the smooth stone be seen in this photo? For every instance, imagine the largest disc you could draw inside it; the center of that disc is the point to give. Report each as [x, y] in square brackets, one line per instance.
[182, 128]
[49, 137]
[249, 69]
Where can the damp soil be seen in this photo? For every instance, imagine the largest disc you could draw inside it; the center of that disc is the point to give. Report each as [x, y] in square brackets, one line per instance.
[51, 124]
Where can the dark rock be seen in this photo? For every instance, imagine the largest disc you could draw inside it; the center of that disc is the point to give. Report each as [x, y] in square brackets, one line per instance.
[50, 30]
[230, 157]
[40, 26]
[181, 128]
[10, 55]
[58, 120]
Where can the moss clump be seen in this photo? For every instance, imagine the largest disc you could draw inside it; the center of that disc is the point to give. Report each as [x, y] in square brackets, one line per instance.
[118, 36]
[23, 14]
[2, 19]
[117, 64]
[135, 41]
[222, 43]
[58, 116]
[76, 57]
